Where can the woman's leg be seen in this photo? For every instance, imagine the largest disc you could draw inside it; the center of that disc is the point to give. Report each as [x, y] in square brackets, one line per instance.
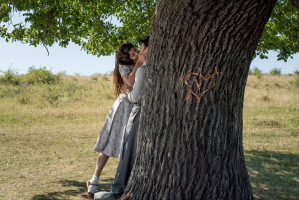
[92, 184]
[101, 162]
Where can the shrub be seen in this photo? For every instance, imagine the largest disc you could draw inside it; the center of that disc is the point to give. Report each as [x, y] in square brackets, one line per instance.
[49, 95]
[259, 76]
[72, 89]
[9, 91]
[24, 98]
[97, 74]
[94, 78]
[257, 71]
[296, 72]
[40, 76]
[105, 78]
[266, 98]
[275, 71]
[110, 73]
[62, 73]
[9, 77]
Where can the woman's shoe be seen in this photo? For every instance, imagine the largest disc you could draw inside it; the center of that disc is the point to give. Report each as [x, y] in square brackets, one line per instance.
[92, 188]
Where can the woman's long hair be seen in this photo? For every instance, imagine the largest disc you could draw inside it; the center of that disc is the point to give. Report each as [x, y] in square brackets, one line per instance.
[122, 57]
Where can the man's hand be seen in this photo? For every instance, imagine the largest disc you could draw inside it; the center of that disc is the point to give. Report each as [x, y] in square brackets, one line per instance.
[126, 89]
[142, 56]
[143, 51]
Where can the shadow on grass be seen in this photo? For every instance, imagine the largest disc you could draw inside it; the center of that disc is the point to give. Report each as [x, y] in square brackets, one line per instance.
[273, 175]
[80, 190]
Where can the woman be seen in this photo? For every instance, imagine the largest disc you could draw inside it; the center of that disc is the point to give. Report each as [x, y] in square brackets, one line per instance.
[109, 140]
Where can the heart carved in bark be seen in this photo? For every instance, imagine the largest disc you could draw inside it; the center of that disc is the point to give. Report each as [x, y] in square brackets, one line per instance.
[196, 84]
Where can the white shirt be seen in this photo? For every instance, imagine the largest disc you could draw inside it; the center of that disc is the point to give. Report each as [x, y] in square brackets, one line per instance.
[135, 94]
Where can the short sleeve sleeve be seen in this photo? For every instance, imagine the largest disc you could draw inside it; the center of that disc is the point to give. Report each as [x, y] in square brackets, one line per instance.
[124, 69]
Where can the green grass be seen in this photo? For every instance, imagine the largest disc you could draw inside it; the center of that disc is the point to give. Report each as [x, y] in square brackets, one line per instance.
[47, 134]
[271, 136]
[47, 148]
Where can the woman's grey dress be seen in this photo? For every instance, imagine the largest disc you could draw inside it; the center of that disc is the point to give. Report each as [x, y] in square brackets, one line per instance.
[111, 135]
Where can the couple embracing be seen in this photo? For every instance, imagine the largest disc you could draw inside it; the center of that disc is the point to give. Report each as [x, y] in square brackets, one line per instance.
[118, 136]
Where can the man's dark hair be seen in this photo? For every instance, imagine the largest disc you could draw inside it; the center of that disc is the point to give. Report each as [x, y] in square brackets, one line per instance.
[145, 41]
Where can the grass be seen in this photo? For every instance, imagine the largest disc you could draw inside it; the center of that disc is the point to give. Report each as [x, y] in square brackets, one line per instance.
[271, 136]
[47, 149]
[47, 133]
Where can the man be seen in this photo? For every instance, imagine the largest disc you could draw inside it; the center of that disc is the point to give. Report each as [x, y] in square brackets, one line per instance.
[131, 132]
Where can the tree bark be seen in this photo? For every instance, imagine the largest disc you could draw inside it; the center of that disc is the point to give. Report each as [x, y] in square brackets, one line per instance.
[192, 148]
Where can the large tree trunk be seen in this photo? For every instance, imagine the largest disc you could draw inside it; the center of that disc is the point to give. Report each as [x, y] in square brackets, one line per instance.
[192, 149]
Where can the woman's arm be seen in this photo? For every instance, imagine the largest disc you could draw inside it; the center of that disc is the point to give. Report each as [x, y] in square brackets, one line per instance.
[129, 79]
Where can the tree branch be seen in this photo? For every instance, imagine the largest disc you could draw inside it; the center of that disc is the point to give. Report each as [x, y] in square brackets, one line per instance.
[59, 15]
[148, 10]
[46, 48]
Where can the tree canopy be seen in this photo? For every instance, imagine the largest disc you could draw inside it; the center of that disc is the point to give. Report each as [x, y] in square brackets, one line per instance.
[91, 24]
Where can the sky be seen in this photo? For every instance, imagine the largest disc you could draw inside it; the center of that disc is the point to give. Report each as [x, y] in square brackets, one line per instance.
[71, 60]
[19, 57]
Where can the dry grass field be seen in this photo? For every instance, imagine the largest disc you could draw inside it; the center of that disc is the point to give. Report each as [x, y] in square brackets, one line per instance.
[47, 134]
